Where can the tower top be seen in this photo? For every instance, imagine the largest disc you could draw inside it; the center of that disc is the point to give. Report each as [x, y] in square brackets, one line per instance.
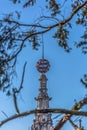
[42, 121]
[43, 65]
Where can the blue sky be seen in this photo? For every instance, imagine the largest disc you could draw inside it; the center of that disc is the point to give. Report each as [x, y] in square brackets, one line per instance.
[63, 77]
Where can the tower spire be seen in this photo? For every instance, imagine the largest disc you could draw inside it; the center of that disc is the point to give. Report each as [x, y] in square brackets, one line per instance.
[42, 48]
[42, 121]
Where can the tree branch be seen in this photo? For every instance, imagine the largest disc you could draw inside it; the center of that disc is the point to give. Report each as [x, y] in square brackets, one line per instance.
[60, 23]
[15, 102]
[22, 80]
[24, 25]
[70, 112]
[16, 91]
[75, 108]
[48, 28]
[74, 125]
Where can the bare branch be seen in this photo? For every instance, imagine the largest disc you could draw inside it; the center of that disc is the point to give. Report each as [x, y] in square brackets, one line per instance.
[75, 108]
[25, 25]
[22, 80]
[74, 125]
[69, 112]
[4, 114]
[15, 102]
[16, 91]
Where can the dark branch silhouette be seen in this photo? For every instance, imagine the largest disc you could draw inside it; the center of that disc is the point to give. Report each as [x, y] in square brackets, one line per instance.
[69, 113]
[17, 91]
[66, 117]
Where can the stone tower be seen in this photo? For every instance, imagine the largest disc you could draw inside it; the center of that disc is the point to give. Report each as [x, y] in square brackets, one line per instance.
[42, 121]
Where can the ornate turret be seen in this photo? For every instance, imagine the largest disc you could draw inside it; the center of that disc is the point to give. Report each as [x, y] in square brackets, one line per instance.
[43, 98]
[42, 121]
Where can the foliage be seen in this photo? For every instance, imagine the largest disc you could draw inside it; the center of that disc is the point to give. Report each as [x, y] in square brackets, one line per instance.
[84, 80]
[15, 35]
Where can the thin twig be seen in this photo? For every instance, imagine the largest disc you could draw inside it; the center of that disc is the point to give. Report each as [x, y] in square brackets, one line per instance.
[4, 114]
[17, 91]
[22, 80]
[15, 103]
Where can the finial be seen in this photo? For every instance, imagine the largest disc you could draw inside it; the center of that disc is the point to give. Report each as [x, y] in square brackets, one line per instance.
[42, 48]
[43, 64]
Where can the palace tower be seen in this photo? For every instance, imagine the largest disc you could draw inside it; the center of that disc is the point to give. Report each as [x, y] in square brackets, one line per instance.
[42, 121]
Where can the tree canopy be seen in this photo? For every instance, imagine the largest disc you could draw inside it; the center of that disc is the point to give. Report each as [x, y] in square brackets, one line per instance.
[15, 34]
[60, 17]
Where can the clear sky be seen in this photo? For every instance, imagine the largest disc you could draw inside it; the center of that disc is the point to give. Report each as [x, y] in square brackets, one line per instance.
[63, 77]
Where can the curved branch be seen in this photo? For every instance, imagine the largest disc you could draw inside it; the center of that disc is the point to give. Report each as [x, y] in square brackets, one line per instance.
[55, 110]
[15, 102]
[60, 23]
[16, 91]
[24, 25]
[73, 13]
[48, 28]
[75, 108]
